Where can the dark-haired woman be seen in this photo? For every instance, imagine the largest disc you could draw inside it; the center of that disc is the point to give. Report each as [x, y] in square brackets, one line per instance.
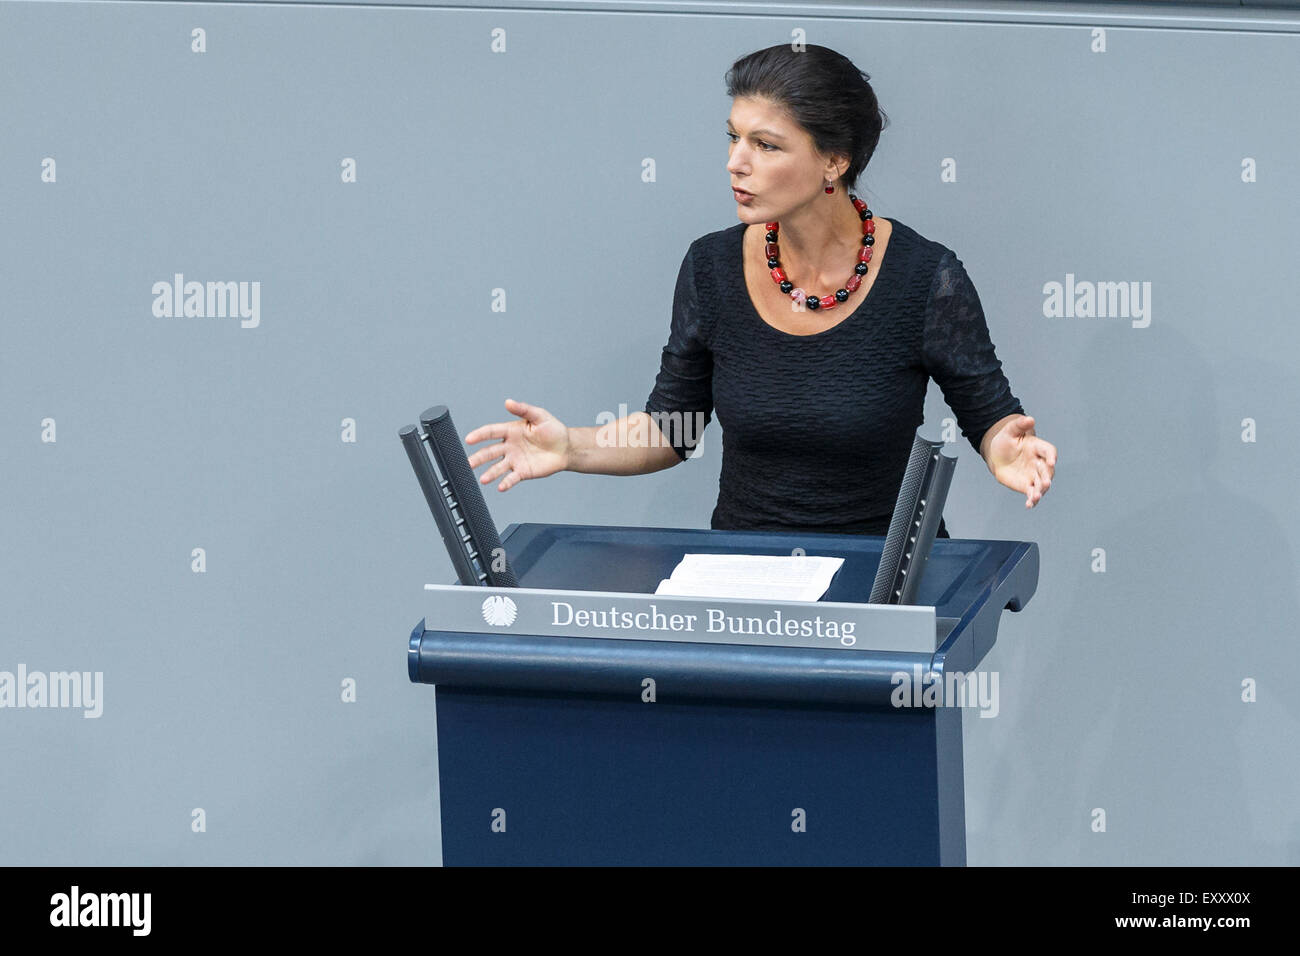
[811, 329]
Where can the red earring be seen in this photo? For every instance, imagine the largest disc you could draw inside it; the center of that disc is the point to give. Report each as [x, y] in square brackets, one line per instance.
[830, 188]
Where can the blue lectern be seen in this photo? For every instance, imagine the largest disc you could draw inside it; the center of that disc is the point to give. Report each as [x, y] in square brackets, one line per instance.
[669, 740]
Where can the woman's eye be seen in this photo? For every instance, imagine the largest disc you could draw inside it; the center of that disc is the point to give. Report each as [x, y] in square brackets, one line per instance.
[767, 147]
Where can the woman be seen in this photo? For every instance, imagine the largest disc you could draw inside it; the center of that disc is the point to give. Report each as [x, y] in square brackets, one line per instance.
[811, 328]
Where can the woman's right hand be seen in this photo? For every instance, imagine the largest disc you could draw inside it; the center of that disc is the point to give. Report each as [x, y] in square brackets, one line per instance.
[535, 447]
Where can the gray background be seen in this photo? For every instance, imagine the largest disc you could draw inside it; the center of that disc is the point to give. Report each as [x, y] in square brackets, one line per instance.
[522, 170]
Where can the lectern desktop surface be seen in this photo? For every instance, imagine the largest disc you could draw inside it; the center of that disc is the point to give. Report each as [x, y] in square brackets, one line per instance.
[963, 579]
[599, 558]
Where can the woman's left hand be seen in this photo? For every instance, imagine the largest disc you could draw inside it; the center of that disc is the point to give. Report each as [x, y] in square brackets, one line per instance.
[1021, 460]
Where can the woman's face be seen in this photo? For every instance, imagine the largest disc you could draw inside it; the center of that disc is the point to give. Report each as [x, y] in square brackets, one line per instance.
[773, 159]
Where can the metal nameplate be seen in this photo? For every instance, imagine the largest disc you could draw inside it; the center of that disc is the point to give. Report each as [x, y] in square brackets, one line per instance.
[699, 620]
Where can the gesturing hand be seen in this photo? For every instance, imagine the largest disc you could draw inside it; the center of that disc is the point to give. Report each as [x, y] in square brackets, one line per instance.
[535, 447]
[1021, 460]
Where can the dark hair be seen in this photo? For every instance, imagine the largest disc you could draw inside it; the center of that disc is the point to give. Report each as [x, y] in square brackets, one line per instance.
[825, 93]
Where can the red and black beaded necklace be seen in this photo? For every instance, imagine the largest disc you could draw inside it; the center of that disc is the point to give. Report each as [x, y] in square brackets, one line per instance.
[859, 270]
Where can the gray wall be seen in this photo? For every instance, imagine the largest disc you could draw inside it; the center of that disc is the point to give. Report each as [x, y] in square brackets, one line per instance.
[1120, 689]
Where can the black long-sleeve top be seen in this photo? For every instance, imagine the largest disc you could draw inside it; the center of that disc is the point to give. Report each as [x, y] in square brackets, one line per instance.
[818, 428]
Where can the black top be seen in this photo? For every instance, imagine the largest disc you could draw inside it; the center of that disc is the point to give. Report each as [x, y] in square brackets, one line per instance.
[818, 428]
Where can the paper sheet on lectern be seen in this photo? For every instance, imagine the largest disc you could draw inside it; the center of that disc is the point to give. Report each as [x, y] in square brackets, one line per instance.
[764, 577]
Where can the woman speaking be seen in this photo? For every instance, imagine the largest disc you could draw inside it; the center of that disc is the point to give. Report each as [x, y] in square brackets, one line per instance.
[810, 328]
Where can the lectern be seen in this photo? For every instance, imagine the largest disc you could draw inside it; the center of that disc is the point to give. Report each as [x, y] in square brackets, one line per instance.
[584, 720]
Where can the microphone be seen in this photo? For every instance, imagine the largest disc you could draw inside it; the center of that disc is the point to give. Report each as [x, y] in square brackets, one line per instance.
[456, 501]
[914, 523]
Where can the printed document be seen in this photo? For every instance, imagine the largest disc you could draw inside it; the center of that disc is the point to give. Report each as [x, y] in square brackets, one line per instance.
[763, 577]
